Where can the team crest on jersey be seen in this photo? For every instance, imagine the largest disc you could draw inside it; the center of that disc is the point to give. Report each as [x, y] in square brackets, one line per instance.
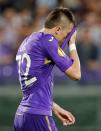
[61, 52]
[47, 61]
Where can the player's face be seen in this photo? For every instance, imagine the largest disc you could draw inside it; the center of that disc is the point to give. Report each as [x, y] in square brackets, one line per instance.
[63, 32]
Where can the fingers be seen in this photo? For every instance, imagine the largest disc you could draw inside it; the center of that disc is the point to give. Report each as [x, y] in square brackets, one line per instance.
[69, 119]
[67, 123]
[65, 120]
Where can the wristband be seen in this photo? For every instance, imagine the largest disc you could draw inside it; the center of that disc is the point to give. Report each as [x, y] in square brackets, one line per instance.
[72, 47]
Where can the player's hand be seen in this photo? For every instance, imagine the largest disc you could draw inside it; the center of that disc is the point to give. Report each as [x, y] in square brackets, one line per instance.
[73, 38]
[65, 116]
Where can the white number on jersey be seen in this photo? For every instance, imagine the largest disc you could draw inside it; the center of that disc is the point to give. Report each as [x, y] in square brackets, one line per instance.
[20, 59]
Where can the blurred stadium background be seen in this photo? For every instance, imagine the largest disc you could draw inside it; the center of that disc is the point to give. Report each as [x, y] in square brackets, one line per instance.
[17, 20]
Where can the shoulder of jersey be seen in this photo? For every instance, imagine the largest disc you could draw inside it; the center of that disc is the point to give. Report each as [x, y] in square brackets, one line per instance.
[50, 38]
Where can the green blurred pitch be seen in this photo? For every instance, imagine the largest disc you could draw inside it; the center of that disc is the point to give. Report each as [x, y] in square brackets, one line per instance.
[85, 106]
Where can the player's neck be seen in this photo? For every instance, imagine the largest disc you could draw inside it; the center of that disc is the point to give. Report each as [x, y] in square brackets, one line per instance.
[48, 31]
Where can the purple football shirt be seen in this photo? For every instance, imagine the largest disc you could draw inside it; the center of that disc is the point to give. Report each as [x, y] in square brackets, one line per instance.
[36, 57]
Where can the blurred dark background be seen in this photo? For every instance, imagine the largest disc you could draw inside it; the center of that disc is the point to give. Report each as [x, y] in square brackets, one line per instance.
[20, 18]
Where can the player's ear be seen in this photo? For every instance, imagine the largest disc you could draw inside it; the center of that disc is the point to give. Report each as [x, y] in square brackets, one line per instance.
[58, 30]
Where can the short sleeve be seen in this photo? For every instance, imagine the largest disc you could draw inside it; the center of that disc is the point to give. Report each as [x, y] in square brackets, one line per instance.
[53, 50]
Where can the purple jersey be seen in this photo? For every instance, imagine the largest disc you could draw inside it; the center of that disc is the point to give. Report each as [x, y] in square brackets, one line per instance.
[36, 57]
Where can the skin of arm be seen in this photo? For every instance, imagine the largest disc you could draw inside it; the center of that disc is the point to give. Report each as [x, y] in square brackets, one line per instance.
[74, 72]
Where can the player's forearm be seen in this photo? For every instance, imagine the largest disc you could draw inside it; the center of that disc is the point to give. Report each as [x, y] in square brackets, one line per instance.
[74, 56]
[74, 72]
[76, 64]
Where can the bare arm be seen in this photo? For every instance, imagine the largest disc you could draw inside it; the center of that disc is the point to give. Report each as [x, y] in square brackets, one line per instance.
[65, 116]
[74, 72]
